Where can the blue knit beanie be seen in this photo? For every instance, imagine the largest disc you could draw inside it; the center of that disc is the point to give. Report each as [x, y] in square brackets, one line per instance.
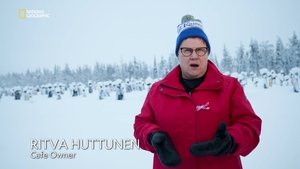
[188, 28]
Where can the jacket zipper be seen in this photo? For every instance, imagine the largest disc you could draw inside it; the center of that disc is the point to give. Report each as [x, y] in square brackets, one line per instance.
[190, 92]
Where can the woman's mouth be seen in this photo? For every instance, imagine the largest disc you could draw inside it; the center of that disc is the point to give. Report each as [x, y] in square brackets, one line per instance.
[194, 65]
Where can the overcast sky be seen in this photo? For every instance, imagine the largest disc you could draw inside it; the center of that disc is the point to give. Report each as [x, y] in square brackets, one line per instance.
[109, 31]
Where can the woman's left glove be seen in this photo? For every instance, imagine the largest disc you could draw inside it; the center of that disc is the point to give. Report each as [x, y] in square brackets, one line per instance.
[222, 144]
[165, 149]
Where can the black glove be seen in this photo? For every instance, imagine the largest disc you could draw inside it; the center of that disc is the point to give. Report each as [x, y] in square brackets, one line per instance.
[222, 144]
[165, 149]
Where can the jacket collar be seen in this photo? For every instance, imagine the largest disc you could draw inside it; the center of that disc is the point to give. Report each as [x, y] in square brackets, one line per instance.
[213, 79]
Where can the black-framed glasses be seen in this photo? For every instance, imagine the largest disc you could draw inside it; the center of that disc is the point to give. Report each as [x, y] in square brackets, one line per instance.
[201, 51]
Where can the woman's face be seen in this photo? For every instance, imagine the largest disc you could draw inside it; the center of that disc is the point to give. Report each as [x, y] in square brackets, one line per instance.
[193, 65]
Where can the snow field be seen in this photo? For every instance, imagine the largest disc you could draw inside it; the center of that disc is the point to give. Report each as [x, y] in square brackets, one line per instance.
[83, 118]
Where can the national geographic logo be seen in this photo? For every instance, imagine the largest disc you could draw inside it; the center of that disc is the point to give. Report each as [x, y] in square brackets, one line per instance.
[24, 13]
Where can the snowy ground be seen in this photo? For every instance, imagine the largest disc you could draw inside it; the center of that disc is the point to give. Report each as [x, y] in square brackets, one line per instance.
[80, 118]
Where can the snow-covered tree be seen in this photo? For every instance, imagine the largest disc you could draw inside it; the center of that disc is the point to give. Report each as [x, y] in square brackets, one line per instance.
[280, 57]
[172, 61]
[99, 72]
[294, 51]
[162, 67]
[254, 57]
[266, 56]
[214, 59]
[241, 59]
[226, 62]
[68, 76]
[154, 69]
[275, 57]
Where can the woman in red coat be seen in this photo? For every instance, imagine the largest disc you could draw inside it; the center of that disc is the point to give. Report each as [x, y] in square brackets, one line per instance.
[196, 117]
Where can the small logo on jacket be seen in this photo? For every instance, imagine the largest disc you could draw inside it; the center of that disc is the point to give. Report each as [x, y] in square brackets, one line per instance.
[203, 107]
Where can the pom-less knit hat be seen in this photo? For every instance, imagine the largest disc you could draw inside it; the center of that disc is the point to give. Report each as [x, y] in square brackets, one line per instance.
[190, 27]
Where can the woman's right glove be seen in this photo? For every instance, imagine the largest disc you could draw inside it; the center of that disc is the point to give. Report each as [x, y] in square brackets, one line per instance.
[165, 149]
[222, 144]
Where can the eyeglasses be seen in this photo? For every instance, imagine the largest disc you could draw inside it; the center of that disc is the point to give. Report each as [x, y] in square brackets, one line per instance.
[189, 51]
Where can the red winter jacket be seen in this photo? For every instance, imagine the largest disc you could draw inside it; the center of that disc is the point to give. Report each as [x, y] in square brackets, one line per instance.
[191, 118]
